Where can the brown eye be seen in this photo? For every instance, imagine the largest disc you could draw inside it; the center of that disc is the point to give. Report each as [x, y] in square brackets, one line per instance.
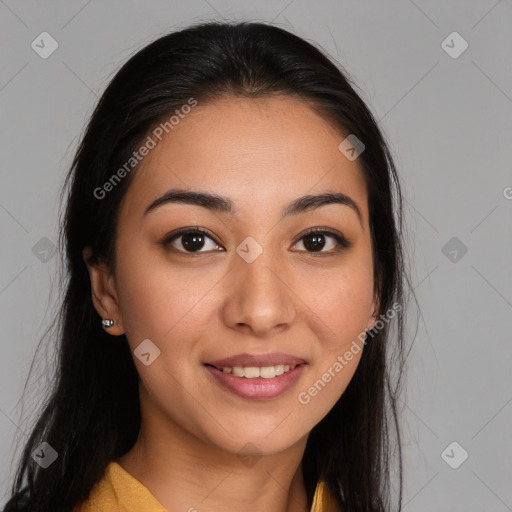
[315, 241]
[192, 241]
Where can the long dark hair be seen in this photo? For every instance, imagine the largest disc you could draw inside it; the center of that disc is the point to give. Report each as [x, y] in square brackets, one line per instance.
[91, 416]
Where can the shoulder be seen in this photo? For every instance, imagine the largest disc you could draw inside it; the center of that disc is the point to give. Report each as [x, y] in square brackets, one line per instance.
[324, 499]
[119, 490]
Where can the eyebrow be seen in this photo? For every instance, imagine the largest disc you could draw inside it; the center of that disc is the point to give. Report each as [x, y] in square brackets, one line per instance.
[223, 204]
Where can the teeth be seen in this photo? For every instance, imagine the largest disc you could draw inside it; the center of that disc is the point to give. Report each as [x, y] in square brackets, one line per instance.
[268, 372]
[253, 372]
[238, 371]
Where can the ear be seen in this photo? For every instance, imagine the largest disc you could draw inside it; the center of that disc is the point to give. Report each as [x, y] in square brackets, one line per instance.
[104, 295]
[375, 307]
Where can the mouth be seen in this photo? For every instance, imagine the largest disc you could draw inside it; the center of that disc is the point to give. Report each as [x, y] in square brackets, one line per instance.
[256, 382]
[255, 372]
[257, 360]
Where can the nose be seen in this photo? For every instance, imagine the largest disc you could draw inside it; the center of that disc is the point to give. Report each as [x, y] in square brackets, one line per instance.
[259, 299]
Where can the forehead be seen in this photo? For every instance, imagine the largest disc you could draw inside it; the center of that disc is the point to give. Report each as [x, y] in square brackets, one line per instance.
[258, 152]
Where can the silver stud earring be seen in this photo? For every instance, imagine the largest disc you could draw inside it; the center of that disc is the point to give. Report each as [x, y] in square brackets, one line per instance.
[107, 323]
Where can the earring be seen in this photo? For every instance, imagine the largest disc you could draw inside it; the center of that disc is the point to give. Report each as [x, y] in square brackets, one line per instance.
[107, 323]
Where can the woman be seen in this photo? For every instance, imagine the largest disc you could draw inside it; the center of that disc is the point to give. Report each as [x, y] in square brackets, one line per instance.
[234, 265]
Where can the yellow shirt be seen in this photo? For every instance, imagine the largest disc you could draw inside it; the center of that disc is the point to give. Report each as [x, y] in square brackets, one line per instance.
[119, 491]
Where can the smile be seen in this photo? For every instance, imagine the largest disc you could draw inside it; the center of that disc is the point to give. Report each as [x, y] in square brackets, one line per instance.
[256, 382]
[253, 372]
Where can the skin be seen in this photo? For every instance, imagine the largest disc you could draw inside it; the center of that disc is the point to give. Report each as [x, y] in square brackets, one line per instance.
[262, 154]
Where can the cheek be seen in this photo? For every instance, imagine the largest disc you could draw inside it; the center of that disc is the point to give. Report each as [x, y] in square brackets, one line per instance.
[342, 312]
[343, 301]
[162, 302]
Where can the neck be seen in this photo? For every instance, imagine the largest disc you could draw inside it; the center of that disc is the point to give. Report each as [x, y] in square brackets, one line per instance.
[184, 472]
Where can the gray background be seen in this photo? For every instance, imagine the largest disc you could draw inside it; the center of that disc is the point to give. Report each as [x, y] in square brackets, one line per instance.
[449, 122]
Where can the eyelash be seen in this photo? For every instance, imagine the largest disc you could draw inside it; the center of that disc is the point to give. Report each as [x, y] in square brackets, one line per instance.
[342, 242]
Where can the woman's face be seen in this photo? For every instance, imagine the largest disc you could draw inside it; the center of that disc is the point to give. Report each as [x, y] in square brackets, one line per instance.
[252, 287]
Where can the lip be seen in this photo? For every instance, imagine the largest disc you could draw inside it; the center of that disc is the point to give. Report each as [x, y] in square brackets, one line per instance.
[257, 360]
[258, 388]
